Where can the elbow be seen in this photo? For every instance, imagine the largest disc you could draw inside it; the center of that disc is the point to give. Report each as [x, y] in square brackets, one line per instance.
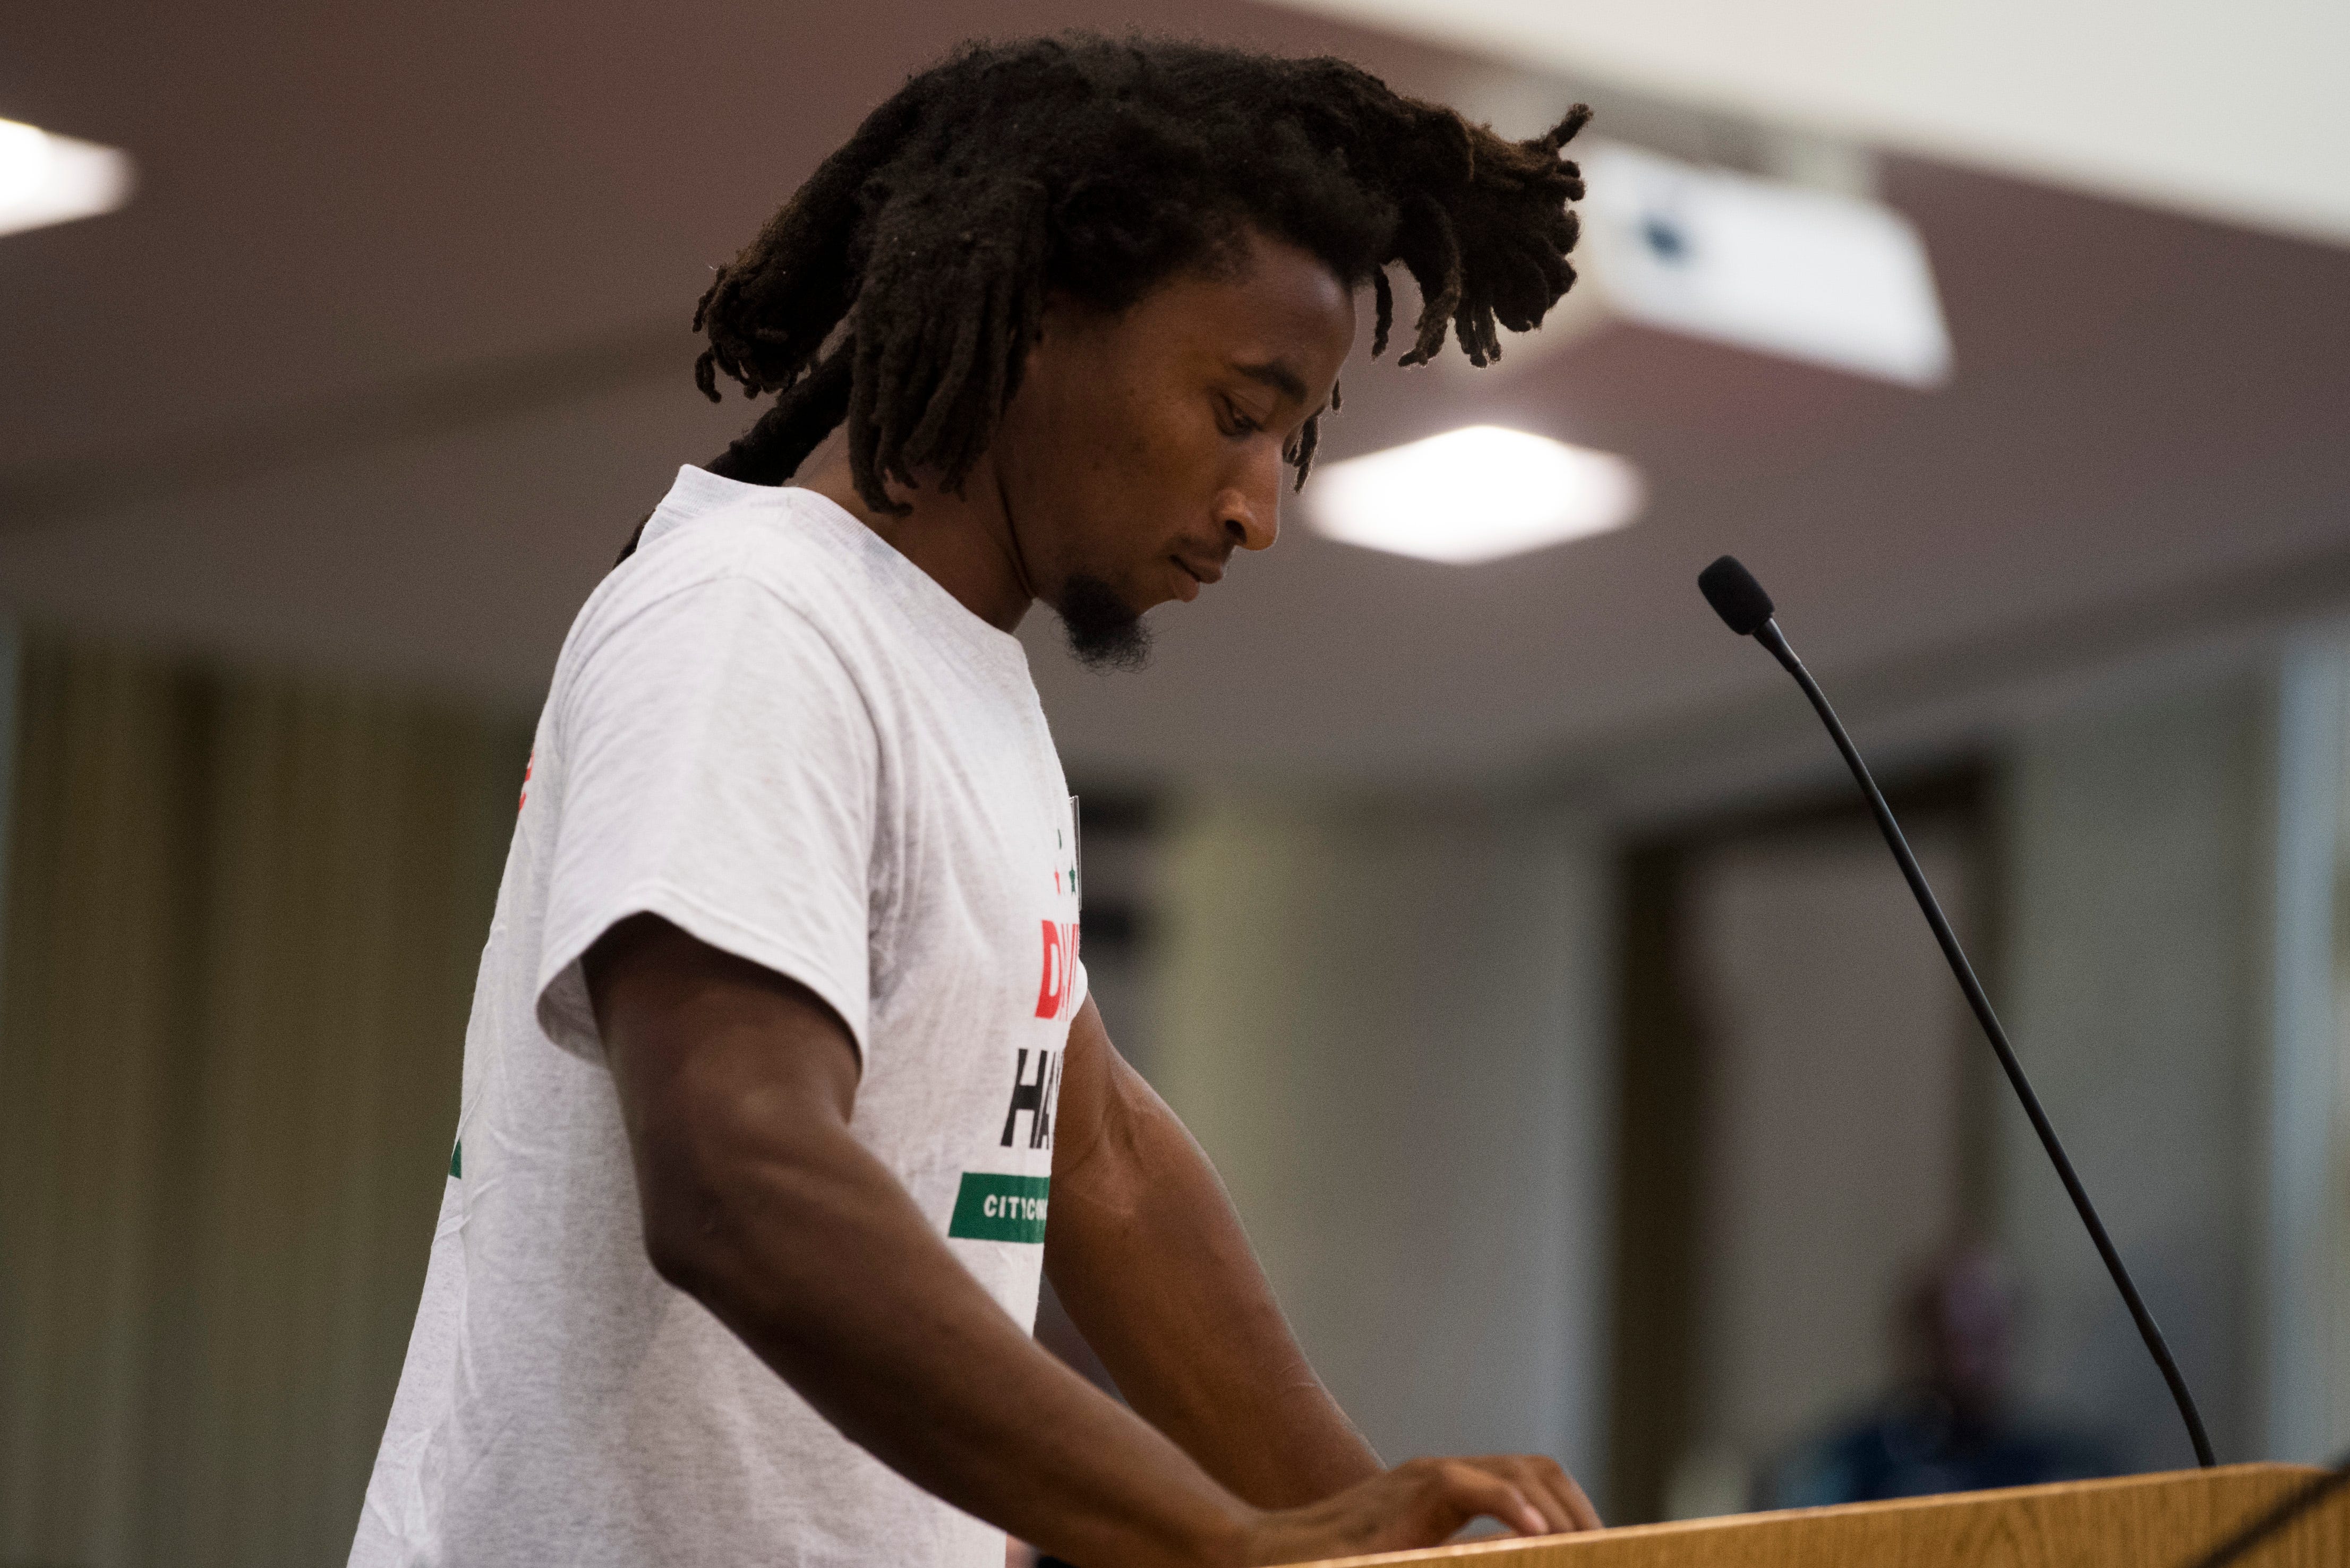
[680, 1255]
[684, 1234]
[729, 1206]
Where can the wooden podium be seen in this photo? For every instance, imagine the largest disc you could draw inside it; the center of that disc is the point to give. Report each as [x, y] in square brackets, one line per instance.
[2130, 1522]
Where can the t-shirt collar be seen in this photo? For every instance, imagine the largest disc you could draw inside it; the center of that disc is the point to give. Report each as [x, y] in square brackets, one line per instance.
[698, 493]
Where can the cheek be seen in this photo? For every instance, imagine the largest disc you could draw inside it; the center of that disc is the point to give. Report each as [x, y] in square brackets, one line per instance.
[1073, 476]
[1133, 460]
[1112, 469]
[1083, 428]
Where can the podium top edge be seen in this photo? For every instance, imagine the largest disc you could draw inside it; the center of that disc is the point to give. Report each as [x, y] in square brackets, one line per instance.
[1503, 1544]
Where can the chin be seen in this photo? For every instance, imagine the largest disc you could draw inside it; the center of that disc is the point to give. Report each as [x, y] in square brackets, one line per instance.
[1105, 629]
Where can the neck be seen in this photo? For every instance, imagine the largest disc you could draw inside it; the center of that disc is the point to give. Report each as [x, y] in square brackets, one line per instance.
[965, 542]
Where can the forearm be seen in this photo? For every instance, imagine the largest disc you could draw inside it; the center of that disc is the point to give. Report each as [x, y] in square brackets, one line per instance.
[737, 1086]
[912, 1360]
[1152, 1264]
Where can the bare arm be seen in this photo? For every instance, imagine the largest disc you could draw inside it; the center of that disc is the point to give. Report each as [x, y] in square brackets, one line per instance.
[1151, 1261]
[736, 1087]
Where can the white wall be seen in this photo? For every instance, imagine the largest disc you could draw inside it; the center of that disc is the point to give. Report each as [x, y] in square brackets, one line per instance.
[2303, 1334]
[2174, 962]
[1386, 1027]
[2138, 922]
[1390, 1026]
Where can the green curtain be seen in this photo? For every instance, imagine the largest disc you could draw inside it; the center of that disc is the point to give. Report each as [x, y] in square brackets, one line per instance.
[244, 911]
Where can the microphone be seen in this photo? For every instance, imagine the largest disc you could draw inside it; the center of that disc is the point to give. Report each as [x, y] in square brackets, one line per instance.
[1747, 610]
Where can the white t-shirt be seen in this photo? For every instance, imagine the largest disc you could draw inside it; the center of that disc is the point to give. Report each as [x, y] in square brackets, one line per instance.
[777, 732]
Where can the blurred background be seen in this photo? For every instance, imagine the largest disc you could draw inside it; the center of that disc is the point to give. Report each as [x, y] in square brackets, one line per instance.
[1504, 928]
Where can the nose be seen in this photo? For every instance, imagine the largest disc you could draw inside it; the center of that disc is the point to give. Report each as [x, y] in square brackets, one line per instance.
[1249, 511]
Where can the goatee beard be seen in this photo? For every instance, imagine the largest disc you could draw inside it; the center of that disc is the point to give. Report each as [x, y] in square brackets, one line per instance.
[1104, 633]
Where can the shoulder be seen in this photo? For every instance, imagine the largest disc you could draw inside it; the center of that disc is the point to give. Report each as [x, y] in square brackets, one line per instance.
[746, 552]
[771, 540]
[732, 602]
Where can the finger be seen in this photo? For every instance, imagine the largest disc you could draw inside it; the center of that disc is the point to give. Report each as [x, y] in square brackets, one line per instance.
[1579, 1505]
[1542, 1482]
[1478, 1492]
[1546, 1483]
[1575, 1511]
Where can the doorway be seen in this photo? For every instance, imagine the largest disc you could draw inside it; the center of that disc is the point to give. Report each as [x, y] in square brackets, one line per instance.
[1802, 1117]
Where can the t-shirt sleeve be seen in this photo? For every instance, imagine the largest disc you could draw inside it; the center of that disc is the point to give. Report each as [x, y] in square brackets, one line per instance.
[720, 770]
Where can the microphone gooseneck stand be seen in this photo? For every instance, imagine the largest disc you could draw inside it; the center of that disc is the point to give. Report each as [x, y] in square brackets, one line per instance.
[1740, 602]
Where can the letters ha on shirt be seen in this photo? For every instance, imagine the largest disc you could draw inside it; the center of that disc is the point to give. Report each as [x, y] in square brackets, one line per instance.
[1006, 1198]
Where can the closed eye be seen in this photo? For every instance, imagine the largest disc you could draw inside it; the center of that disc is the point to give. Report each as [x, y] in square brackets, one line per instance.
[1238, 422]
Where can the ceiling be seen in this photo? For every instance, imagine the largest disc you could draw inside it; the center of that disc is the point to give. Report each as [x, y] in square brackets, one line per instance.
[389, 354]
[2226, 108]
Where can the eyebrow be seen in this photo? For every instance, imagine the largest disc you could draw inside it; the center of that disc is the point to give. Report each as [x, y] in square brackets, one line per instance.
[1279, 377]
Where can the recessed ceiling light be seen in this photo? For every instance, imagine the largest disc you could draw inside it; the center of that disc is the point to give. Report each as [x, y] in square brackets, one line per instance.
[1473, 495]
[46, 178]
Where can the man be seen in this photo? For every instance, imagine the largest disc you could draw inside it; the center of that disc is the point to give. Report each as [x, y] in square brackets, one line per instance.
[1951, 1424]
[782, 1049]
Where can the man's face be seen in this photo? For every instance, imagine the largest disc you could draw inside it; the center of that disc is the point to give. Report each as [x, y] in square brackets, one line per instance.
[1142, 449]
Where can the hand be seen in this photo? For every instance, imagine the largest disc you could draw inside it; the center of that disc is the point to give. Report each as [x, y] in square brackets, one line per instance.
[1421, 1503]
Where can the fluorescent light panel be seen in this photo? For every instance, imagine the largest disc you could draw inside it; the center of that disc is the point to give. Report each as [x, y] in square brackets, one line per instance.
[1475, 495]
[46, 178]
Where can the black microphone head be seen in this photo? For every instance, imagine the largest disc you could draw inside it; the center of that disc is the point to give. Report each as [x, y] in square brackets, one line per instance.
[1735, 595]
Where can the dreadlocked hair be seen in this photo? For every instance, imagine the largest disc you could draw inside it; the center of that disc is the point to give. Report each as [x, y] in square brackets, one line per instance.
[901, 288]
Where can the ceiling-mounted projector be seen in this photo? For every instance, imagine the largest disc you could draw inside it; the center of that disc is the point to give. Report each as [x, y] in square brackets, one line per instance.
[1781, 268]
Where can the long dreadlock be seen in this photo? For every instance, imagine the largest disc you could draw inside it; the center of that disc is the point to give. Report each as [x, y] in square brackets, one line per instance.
[901, 288]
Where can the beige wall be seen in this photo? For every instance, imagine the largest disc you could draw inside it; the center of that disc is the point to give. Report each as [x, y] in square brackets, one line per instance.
[1385, 1024]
